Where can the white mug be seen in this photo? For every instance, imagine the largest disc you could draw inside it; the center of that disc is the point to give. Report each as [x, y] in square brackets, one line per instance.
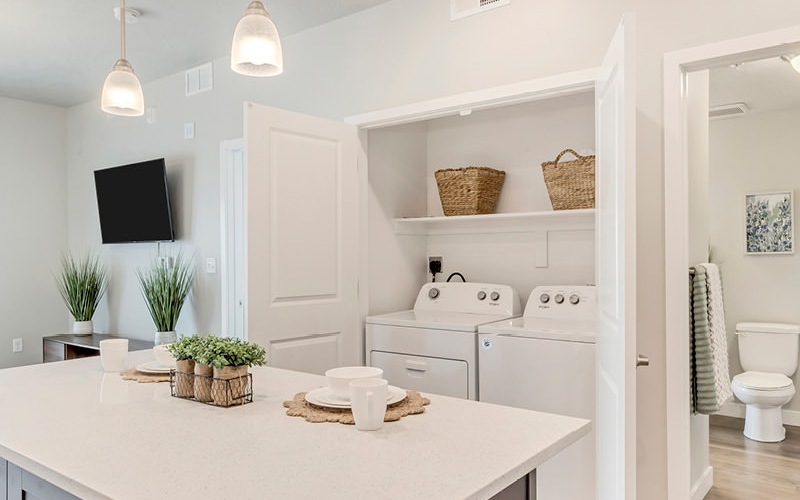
[368, 398]
[113, 354]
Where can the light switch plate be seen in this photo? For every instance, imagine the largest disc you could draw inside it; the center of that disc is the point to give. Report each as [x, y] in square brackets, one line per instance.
[188, 130]
[211, 265]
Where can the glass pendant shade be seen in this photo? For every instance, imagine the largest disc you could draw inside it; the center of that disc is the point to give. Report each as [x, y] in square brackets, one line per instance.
[256, 47]
[122, 92]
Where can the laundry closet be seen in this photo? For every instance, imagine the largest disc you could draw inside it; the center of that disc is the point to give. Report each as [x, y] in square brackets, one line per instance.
[525, 243]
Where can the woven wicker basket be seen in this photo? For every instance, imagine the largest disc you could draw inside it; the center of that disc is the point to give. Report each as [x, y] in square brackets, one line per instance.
[469, 190]
[570, 184]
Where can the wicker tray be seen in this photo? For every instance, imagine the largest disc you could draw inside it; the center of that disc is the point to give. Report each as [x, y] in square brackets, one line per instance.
[469, 190]
[570, 184]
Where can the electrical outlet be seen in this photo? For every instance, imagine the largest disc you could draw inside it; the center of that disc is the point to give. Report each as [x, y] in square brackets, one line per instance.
[16, 345]
[211, 265]
[434, 264]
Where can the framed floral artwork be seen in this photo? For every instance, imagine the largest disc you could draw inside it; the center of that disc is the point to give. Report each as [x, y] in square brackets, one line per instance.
[769, 223]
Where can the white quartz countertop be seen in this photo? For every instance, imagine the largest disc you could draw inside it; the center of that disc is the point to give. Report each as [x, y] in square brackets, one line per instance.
[99, 437]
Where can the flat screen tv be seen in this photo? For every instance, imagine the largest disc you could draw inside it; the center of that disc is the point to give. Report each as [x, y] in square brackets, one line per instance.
[133, 202]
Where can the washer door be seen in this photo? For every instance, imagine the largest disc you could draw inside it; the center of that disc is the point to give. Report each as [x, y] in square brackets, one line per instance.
[448, 377]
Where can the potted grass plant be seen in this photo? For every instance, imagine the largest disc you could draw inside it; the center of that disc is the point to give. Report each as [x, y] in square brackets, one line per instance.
[82, 284]
[165, 287]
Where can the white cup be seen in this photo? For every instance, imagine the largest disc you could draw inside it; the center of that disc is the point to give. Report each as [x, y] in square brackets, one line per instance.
[113, 354]
[368, 398]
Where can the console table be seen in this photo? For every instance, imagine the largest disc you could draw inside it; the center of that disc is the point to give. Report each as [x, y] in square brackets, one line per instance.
[62, 347]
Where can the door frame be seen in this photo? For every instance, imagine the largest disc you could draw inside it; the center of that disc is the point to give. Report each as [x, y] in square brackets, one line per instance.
[676, 227]
[229, 253]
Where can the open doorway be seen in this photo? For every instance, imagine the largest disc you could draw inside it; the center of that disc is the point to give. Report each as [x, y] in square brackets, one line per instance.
[689, 473]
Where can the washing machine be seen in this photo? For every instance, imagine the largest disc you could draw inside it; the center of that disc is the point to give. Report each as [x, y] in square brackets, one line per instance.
[433, 347]
[545, 361]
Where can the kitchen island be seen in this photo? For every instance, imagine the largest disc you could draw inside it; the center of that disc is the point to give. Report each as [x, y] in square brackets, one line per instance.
[98, 437]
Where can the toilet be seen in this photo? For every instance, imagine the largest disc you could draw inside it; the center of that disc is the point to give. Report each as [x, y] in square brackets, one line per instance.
[768, 353]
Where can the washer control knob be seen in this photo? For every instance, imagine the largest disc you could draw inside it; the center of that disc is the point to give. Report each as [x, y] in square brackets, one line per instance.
[544, 298]
[574, 298]
[494, 296]
[559, 298]
[481, 295]
[433, 293]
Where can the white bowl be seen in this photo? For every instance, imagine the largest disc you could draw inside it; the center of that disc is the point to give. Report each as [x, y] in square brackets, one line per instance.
[339, 378]
[163, 356]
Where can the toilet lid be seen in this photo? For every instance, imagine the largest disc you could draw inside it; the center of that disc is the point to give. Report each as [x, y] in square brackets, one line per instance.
[763, 381]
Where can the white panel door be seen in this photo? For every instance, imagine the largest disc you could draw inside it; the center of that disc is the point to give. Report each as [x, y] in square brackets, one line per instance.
[616, 268]
[302, 239]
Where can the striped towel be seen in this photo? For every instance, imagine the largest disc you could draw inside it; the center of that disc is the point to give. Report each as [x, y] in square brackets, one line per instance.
[703, 389]
[719, 337]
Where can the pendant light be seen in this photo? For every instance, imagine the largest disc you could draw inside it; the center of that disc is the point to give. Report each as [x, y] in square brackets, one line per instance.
[122, 92]
[256, 47]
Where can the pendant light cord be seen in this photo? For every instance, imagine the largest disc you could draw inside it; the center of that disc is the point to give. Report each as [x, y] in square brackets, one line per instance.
[122, 26]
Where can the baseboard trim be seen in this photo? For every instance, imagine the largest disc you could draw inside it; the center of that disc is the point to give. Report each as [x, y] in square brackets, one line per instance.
[733, 409]
[703, 485]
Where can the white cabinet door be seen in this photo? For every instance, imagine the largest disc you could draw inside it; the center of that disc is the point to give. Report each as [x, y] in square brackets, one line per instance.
[616, 268]
[302, 239]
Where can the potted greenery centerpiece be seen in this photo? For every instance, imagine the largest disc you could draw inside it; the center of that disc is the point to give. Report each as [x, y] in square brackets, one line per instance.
[165, 287]
[230, 359]
[185, 351]
[82, 284]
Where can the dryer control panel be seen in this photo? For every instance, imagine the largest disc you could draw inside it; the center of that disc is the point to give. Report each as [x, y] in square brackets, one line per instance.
[477, 298]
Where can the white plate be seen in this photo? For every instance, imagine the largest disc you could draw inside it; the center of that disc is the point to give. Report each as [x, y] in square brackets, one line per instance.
[323, 397]
[152, 367]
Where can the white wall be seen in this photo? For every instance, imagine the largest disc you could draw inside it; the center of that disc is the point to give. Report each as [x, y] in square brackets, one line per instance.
[33, 202]
[398, 53]
[515, 139]
[753, 154]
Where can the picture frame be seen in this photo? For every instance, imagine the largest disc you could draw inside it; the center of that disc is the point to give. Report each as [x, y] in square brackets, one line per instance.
[769, 223]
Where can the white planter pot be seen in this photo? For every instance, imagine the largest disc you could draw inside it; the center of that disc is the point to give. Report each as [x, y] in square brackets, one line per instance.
[82, 328]
[165, 338]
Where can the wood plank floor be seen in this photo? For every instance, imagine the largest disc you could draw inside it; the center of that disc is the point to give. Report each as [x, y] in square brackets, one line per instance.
[749, 470]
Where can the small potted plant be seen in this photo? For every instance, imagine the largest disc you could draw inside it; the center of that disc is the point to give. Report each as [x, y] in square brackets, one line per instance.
[230, 359]
[185, 351]
[165, 287]
[82, 284]
[203, 372]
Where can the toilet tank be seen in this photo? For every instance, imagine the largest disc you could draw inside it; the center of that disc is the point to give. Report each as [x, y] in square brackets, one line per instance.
[768, 347]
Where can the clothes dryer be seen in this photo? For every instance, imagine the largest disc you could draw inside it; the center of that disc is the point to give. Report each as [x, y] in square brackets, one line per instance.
[545, 361]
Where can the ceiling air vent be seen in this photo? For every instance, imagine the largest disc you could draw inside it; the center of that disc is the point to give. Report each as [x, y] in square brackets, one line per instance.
[464, 8]
[727, 110]
[199, 79]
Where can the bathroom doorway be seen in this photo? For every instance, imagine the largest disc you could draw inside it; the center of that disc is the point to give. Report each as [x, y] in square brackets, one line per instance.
[699, 159]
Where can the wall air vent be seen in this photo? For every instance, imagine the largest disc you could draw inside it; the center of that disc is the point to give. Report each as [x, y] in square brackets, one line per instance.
[464, 8]
[199, 79]
[727, 110]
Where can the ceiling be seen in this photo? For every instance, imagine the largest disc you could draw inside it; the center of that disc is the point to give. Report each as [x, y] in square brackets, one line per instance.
[764, 85]
[59, 52]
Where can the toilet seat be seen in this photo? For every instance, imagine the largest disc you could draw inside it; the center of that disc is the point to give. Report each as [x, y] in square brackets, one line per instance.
[762, 381]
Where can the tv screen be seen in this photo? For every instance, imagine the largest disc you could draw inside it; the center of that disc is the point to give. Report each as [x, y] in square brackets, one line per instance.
[133, 202]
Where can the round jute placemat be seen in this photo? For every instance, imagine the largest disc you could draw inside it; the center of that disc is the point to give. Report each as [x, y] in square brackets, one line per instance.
[413, 404]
